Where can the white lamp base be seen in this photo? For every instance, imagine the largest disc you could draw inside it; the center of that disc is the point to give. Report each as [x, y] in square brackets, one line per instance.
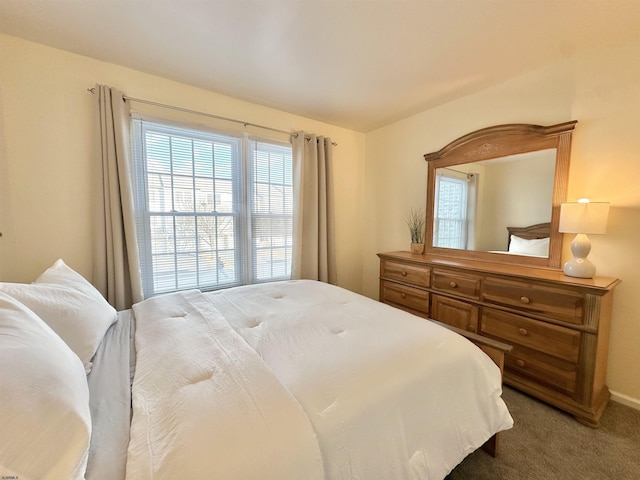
[579, 266]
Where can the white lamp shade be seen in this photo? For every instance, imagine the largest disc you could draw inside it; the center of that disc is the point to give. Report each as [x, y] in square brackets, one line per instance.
[587, 217]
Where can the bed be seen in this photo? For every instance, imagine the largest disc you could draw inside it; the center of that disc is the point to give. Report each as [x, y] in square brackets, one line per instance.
[532, 240]
[287, 380]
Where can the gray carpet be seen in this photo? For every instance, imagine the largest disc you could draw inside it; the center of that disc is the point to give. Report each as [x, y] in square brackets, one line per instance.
[548, 444]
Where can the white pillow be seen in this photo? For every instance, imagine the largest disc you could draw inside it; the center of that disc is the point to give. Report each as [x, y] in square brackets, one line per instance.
[538, 247]
[70, 305]
[45, 424]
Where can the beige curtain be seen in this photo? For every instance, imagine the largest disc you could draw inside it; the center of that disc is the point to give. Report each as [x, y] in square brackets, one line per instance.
[313, 214]
[116, 260]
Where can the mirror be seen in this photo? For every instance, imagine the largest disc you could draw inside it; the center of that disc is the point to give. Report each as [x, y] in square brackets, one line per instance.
[495, 194]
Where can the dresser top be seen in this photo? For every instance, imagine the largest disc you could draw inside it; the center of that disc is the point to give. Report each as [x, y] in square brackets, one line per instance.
[536, 273]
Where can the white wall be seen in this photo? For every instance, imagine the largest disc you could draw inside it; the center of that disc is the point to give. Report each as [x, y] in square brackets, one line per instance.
[508, 192]
[600, 89]
[49, 149]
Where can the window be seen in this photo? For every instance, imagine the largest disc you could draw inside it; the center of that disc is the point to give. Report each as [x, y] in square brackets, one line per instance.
[450, 219]
[213, 210]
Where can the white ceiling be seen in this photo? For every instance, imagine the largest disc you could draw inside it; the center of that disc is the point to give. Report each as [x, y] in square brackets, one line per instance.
[359, 64]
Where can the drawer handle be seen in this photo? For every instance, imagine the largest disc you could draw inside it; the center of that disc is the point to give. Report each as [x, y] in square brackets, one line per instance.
[525, 300]
[523, 331]
[403, 295]
[520, 363]
[453, 284]
[404, 274]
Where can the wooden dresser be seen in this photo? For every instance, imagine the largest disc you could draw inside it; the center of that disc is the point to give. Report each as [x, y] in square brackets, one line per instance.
[558, 325]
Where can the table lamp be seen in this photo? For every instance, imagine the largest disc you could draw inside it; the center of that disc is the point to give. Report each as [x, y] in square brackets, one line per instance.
[582, 218]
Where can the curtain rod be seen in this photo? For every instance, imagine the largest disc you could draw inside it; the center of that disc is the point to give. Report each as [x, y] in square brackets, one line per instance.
[454, 170]
[204, 114]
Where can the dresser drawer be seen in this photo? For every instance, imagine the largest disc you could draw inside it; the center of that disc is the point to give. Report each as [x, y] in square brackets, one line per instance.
[458, 284]
[553, 302]
[462, 315]
[404, 272]
[550, 339]
[404, 296]
[543, 369]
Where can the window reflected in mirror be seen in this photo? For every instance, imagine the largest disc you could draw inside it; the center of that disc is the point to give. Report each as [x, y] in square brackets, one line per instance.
[455, 207]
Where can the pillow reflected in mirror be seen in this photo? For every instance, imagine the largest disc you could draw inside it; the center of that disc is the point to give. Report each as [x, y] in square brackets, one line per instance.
[538, 247]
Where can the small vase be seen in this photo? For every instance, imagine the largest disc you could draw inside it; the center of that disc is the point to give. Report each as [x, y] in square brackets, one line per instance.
[417, 248]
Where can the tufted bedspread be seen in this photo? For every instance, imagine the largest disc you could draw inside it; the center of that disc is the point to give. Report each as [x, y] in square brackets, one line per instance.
[303, 380]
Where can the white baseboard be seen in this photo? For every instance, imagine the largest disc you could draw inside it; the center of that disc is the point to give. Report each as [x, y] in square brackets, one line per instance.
[625, 400]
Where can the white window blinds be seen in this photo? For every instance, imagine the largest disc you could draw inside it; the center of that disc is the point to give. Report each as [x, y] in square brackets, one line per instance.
[213, 210]
[450, 219]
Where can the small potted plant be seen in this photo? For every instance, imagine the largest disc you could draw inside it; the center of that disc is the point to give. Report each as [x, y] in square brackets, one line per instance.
[415, 222]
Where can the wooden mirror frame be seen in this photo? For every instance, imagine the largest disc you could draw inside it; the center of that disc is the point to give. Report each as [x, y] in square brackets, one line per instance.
[495, 142]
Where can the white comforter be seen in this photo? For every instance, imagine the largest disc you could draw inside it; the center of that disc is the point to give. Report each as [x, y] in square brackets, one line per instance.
[311, 382]
[205, 406]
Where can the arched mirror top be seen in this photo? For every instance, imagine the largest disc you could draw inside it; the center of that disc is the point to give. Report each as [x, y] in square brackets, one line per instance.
[495, 194]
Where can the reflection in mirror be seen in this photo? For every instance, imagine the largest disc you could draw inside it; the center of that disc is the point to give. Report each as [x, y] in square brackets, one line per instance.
[475, 203]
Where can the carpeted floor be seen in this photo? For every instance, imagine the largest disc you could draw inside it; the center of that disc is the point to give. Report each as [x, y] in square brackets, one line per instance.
[548, 444]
